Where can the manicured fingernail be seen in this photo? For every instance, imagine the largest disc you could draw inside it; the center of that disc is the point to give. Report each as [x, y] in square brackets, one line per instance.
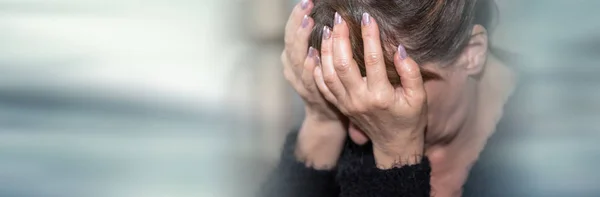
[304, 4]
[305, 21]
[311, 52]
[338, 18]
[326, 33]
[366, 19]
[402, 52]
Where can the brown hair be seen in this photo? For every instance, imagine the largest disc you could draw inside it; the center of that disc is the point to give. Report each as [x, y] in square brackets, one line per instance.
[430, 30]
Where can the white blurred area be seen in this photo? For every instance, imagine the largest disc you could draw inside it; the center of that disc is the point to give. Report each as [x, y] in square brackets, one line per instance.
[123, 97]
[173, 50]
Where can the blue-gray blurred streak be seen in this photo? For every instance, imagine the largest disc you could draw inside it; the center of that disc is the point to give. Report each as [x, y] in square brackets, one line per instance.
[119, 98]
[559, 46]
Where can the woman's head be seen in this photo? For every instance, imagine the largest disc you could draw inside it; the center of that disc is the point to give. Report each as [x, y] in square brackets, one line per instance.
[448, 38]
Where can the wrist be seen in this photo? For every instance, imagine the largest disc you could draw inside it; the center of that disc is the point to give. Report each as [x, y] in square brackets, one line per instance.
[399, 153]
[316, 115]
[320, 143]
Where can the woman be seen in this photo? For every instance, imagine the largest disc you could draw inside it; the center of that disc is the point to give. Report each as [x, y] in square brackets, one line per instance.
[411, 83]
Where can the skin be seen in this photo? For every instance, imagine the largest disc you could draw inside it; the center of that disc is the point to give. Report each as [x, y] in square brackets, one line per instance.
[321, 137]
[393, 118]
[460, 112]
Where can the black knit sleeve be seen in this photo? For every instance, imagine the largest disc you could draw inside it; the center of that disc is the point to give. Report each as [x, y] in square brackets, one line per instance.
[358, 176]
[292, 178]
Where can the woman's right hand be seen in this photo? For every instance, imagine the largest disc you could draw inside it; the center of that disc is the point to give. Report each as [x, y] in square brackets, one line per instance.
[321, 138]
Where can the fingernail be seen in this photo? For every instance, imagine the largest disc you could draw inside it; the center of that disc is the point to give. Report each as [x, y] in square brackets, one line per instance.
[366, 19]
[338, 18]
[304, 4]
[326, 33]
[311, 52]
[305, 21]
[402, 52]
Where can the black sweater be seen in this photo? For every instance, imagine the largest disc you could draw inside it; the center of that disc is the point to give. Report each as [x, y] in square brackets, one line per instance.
[356, 176]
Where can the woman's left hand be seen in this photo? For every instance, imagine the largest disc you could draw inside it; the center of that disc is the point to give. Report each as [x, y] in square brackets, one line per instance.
[394, 118]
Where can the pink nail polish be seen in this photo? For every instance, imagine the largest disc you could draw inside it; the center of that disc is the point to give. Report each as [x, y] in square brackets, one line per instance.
[326, 33]
[305, 21]
[311, 52]
[366, 19]
[338, 18]
[304, 4]
[402, 52]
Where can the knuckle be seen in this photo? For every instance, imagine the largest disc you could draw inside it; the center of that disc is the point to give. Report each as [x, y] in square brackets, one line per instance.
[414, 94]
[380, 104]
[420, 97]
[329, 80]
[360, 109]
[300, 33]
[295, 60]
[372, 58]
[357, 108]
[309, 90]
[336, 35]
[325, 50]
[342, 64]
[289, 41]
[380, 101]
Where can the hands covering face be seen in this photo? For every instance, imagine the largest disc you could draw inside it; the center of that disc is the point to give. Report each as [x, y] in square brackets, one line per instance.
[392, 117]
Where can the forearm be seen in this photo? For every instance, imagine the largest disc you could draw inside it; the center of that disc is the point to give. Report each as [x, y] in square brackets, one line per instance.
[320, 143]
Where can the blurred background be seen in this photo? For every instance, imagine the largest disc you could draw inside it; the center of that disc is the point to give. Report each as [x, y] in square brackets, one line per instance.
[115, 98]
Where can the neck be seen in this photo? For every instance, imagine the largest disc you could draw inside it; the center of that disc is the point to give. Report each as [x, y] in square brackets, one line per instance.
[496, 85]
[453, 161]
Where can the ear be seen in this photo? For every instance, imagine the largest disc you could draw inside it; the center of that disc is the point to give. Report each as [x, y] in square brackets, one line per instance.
[476, 50]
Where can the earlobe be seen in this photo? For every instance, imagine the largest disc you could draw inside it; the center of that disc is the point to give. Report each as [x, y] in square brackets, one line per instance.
[476, 51]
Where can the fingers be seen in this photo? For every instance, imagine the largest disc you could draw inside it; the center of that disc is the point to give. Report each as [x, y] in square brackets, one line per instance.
[343, 62]
[374, 61]
[294, 21]
[298, 50]
[311, 62]
[410, 77]
[330, 76]
[318, 74]
[297, 33]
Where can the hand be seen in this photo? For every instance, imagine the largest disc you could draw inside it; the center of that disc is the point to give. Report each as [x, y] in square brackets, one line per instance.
[394, 118]
[321, 137]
